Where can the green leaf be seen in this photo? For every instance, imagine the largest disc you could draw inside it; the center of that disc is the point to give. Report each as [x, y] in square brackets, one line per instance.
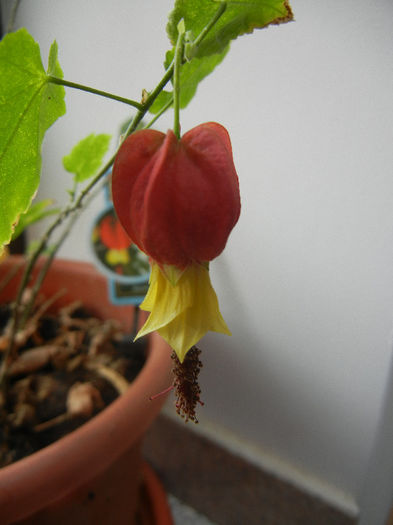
[191, 74]
[86, 157]
[35, 213]
[161, 101]
[240, 17]
[29, 105]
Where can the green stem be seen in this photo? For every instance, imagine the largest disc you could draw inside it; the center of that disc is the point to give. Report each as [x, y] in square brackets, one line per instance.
[159, 114]
[62, 82]
[54, 249]
[151, 98]
[178, 60]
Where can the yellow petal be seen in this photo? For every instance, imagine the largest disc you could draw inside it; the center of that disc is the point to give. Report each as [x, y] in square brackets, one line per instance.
[172, 273]
[164, 300]
[182, 313]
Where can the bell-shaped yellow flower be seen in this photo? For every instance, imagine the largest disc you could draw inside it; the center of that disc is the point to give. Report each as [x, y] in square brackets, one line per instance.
[183, 306]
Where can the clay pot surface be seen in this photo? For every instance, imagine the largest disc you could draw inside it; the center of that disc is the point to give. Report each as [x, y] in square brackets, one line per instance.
[93, 475]
[153, 506]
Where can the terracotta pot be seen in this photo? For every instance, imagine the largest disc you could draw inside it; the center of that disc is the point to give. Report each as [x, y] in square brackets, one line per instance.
[93, 475]
[153, 506]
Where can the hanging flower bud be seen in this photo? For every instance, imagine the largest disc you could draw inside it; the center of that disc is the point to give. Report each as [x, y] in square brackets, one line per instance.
[178, 199]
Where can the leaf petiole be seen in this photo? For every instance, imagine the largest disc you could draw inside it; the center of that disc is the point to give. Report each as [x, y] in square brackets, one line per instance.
[66, 83]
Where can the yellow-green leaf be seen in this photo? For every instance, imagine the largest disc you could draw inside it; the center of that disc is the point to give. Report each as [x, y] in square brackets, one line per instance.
[240, 17]
[86, 157]
[29, 105]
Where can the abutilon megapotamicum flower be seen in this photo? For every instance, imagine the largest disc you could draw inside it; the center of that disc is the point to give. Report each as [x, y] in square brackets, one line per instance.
[178, 200]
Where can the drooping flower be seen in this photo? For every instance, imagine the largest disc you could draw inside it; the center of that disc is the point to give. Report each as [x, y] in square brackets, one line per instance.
[178, 200]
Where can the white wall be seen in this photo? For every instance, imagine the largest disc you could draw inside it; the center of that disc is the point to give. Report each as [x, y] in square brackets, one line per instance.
[306, 283]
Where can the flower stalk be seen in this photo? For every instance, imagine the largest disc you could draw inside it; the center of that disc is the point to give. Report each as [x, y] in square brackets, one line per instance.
[178, 60]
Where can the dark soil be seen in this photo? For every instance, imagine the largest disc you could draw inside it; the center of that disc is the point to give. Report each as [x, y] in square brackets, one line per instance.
[79, 366]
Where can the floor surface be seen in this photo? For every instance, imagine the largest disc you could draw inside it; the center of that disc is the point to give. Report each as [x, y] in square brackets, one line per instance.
[185, 515]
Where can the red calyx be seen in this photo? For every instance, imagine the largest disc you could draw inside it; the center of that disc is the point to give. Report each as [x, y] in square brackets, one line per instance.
[177, 199]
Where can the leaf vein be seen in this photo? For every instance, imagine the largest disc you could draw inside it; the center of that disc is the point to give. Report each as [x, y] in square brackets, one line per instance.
[20, 119]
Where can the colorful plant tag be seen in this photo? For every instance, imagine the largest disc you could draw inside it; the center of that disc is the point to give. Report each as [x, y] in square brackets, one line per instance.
[114, 254]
